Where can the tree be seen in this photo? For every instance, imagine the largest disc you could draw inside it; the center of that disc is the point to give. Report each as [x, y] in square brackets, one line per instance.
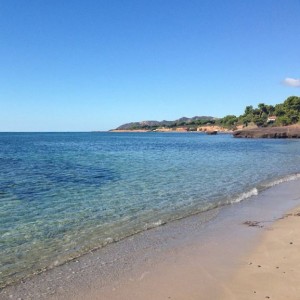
[283, 120]
[259, 121]
[229, 120]
[248, 110]
[279, 110]
[263, 109]
[292, 103]
[270, 109]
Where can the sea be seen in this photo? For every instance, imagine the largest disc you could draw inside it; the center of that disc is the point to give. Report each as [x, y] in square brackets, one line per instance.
[65, 194]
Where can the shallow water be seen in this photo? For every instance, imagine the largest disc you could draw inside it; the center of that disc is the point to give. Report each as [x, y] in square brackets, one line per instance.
[63, 194]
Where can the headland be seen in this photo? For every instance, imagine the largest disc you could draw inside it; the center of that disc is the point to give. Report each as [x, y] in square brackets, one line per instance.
[292, 131]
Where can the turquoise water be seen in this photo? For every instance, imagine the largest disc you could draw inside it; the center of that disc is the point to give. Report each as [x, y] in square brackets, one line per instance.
[63, 194]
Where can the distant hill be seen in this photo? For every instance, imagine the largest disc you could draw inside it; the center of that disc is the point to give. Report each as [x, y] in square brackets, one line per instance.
[282, 114]
[155, 124]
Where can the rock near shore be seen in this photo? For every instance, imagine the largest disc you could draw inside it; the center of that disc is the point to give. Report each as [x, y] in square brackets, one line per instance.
[269, 132]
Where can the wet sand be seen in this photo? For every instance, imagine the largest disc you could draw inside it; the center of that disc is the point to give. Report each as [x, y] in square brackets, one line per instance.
[194, 258]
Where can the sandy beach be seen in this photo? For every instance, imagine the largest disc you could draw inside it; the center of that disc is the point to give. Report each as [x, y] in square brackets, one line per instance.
[248, 250]
[149, 150]
[272, 271]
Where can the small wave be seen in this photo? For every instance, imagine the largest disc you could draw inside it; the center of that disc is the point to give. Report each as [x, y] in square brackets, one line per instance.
[243, 196]
[281, 180]
[255, 191]
[154, 224]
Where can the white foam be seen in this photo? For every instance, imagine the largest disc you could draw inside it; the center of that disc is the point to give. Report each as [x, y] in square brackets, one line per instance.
[154, 224]
[108, 240]
[255, 191]
[243, 196]
[281, 180]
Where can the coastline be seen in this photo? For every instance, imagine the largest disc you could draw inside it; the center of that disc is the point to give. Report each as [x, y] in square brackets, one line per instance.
[283, 132]
[167, 130]
[195, 255]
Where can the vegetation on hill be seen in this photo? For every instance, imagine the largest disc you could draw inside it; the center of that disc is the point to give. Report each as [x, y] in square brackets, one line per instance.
[285, 113]
[152, 125]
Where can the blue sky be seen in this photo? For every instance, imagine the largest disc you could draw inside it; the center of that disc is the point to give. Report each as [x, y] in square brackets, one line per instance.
[92, 65]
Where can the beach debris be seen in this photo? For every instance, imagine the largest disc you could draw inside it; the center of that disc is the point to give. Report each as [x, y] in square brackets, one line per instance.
[143, 275]
[291, 243]
[253, 224]
[290, 215]
[259, 266]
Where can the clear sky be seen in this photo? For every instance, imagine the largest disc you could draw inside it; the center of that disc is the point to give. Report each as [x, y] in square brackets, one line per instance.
[70, 65]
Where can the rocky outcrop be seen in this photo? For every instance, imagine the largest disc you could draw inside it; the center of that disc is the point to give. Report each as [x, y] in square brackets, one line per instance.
[212, 128]
[269, 132]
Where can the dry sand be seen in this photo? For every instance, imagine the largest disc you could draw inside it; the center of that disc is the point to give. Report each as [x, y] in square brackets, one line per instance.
[272, 271]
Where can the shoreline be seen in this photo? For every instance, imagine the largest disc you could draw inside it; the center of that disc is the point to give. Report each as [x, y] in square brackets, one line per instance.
[200, 213]
[135, 263]
[282, 132]
[169, 131]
